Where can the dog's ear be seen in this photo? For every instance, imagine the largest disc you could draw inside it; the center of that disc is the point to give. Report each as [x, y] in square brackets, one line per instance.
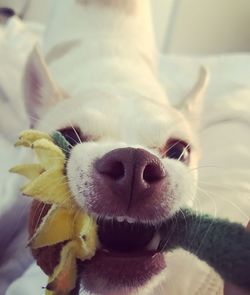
[40, 92]
[192, 104]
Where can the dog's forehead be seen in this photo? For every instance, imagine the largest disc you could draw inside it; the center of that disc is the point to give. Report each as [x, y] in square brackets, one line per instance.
[130, 119]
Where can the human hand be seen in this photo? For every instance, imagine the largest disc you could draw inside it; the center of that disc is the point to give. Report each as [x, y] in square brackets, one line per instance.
[230, 289]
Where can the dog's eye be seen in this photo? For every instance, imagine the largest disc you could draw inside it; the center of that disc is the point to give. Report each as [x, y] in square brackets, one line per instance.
[73, 135]
[179, 150]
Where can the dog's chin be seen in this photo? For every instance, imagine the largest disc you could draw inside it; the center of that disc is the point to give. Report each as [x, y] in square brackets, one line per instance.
[119, 273]
[127, 259]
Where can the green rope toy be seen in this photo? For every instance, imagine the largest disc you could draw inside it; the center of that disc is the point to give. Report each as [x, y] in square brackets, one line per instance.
[223, 245]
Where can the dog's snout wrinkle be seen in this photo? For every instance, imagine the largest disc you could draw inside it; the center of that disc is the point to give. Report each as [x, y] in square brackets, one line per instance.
[131, 173]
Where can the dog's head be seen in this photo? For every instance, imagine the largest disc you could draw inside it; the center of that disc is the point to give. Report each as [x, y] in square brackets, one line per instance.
[131, 167]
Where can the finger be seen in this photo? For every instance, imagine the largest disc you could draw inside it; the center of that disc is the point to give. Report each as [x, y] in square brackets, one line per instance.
[248, 226]
[230, 289]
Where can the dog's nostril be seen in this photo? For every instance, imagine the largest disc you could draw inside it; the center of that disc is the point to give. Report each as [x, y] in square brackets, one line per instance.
[114, 169]
[153, 172]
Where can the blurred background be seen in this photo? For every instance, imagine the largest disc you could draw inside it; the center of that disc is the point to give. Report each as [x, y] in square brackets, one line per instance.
[182, 26]
[185, 27]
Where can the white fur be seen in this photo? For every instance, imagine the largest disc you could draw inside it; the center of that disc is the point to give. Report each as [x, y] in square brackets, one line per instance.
[108, 70]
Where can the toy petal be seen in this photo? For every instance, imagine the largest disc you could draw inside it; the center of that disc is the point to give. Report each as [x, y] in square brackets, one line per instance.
[50, 187]
[90, 242]
[86, 229]
[47, 292]
[83, 223]
[65, 221]
[63, 280]
[49, 154]
[56, 227]
[84, 250]
[27, 137]
[30, 171]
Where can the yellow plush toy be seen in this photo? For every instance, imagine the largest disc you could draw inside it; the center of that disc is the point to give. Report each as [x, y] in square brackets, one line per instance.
[65, 221]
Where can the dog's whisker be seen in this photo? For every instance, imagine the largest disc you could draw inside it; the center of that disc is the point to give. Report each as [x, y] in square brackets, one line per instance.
[207, 167]
[233, 204]
[227, 186]
[211, 224]
[76, 133]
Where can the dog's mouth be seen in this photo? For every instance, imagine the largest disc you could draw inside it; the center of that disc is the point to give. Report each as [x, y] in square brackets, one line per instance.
[125, 236]
[128, 257]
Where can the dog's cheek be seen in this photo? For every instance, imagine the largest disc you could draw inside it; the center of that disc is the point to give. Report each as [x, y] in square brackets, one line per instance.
[79, 180]
[182, 186]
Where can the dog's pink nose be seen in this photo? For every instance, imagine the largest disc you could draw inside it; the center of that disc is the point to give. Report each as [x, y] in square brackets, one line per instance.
[131, 174]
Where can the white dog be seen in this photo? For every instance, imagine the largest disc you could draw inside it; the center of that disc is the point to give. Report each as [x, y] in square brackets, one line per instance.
[132, 155]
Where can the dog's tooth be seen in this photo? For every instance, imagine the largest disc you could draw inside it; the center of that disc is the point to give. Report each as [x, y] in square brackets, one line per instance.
[130, 220]
[108, 217]
[120, 218]
[125, 218]
[154, 243]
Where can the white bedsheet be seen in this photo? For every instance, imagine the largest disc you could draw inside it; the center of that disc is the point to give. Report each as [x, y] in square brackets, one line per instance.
[224, 185]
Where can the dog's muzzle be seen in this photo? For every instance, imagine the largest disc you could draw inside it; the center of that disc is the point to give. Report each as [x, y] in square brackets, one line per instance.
[128, 182]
